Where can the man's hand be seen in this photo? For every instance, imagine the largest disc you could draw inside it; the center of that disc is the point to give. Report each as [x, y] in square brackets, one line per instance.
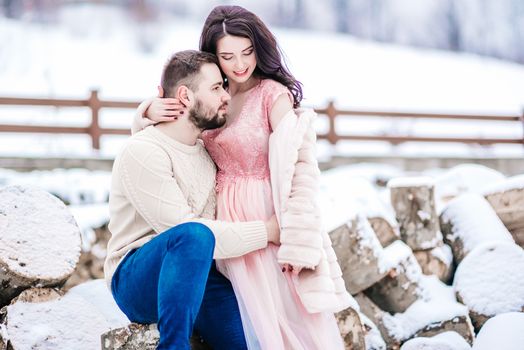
[273, 230]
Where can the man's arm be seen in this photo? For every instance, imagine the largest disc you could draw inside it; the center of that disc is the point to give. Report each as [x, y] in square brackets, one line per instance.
[149, 185]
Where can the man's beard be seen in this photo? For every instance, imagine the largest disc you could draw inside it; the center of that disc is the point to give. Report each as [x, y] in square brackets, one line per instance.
[199, 116]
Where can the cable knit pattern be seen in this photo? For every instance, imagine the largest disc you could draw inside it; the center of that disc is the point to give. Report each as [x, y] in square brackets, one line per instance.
[294, 181]
[158, 183]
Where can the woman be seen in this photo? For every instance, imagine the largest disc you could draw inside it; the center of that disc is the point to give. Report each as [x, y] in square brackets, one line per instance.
[287, 295]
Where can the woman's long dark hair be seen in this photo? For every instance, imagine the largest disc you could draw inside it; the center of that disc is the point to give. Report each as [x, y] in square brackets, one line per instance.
[237, 21]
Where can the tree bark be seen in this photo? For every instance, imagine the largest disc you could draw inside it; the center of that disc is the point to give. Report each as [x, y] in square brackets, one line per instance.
[437, 261]
[400, 287]
[464, 231]
[509, 206]
[359, 254]
[351, 329]
[416, 214]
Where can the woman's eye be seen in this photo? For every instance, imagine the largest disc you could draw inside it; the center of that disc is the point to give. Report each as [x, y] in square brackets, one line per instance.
[248, 53]
[226, 58]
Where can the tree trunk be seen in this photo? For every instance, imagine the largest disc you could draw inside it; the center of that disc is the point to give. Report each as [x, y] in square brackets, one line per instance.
[386, 233]
[468, 221]
[359, 254]
[509, 206]
[140, 337]
[351, 329]
[39, 241]
[437, 261]
[400, 288]
[414, 204]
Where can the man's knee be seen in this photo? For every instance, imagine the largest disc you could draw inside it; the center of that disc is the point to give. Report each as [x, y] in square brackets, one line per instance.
[193, 235]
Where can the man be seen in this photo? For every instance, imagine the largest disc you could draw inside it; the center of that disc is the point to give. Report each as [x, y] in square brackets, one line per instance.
[160, 257]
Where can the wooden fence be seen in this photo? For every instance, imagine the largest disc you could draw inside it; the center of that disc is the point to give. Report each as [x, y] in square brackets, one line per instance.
[331, 112]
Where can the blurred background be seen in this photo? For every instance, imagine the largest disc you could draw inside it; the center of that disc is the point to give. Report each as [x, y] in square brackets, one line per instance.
[427, 79]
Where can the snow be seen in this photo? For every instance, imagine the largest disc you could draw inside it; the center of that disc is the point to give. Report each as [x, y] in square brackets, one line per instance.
[442, 341]
[439, 304]
[412, 181]
[98, 295]
[512, 183]
[344, 195]
[443, 253]
[400, 257]
[474, 221]
[368, 239]
[84, 51]
[461, 179]
[66, 323]
[40, 238]
[504, 331]
[490, 279]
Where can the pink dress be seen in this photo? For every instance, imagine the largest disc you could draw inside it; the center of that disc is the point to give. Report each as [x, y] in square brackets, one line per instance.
[272, 313]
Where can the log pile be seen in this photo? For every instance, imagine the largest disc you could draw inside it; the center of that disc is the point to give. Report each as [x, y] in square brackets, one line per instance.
[396, 270]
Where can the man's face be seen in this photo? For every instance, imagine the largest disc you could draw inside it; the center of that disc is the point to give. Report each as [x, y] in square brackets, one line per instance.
[209, 110]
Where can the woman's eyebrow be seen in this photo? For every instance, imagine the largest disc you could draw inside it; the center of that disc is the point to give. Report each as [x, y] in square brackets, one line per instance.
[230, 53]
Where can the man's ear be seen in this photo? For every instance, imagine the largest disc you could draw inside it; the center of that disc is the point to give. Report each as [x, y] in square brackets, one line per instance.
[185, 95]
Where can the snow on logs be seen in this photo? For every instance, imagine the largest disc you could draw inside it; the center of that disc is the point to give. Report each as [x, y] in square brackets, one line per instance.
[400, 287]
[42, 318]
[490, 281]
[359, 253]
[468, 221]
[39, 241]
[140, 337]
[507, 199]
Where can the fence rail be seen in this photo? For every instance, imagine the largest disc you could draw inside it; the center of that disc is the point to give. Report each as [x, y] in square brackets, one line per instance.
[331, 112]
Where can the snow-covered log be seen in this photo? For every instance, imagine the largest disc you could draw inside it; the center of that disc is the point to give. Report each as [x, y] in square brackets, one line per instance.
[490, 281]
[507, 199]
[351, 329]
[504, 331]
[414, 202]
[39, 241]
[400, 287]
[437, 261]
[383, 321]
[443, 341]
[386, 232]
[468, 221]
[140, 337]
[372, 336]
[42, 318]
[359, 253]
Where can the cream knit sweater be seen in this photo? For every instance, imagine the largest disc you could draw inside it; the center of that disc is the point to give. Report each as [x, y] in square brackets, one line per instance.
[158, 183]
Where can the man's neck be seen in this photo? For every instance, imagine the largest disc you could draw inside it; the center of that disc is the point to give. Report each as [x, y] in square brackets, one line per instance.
[182, 131]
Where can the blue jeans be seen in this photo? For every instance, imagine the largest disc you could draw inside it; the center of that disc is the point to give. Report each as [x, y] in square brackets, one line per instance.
[172, 281]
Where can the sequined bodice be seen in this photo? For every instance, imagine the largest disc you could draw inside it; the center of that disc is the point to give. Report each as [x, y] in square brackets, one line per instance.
[240, 149]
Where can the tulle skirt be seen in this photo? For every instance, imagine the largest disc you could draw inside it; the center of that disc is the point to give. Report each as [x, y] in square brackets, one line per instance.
[272, 313]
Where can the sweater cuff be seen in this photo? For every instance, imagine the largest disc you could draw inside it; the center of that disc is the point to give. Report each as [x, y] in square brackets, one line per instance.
[254, 235]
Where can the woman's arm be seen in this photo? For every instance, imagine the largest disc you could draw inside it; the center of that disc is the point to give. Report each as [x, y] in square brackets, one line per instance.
[281, 106]
[156, 110]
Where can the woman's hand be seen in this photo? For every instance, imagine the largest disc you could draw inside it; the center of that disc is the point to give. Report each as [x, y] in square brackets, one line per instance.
[164, 110]
[273, 230]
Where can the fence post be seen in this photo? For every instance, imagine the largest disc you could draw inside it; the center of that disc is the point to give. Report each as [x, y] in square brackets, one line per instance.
[331, 113]
[94, 128]
[522, 122]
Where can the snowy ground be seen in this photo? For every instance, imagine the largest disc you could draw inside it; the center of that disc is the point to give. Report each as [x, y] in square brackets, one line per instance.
[354, 73]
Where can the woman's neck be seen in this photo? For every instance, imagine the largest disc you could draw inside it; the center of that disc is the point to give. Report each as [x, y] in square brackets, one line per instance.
[238, 88]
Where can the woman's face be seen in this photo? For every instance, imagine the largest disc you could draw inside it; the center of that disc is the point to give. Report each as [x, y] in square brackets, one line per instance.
[236, 56]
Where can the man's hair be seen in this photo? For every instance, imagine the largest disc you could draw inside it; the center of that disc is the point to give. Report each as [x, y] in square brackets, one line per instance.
[183, 69]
